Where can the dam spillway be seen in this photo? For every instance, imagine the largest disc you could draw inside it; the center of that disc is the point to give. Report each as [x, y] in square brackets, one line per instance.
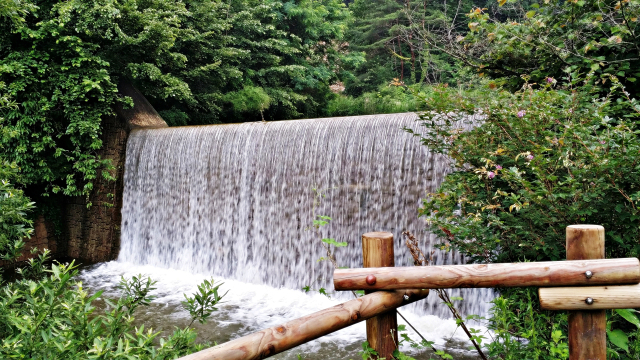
[237, 201]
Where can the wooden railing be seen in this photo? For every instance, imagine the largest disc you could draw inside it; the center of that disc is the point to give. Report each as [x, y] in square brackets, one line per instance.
[596, 285]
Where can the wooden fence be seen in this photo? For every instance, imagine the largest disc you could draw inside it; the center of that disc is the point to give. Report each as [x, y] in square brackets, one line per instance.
[585, 285]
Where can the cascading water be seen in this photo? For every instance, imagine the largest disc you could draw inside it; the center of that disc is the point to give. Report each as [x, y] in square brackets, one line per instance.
[237, 201]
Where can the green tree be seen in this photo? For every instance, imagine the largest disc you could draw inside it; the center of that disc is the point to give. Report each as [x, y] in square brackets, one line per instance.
[551, 38]
[370, 33]
[61, 62]
[408, 41]
[15, 225]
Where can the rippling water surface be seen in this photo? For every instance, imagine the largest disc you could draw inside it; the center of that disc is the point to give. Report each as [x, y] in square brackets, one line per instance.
[250, 307]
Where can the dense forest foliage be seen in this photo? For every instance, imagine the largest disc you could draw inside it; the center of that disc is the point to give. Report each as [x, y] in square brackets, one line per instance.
[554, 84]
[201, 62]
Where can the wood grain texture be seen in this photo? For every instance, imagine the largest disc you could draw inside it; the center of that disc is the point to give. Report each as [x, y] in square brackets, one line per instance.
[266, 343]
[587, 329]
[377, 249]
[604, 297]
[587, 335]
[382, 330]
[552, 273]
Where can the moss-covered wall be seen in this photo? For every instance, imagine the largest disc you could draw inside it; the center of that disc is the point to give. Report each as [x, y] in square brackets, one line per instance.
[92, 234]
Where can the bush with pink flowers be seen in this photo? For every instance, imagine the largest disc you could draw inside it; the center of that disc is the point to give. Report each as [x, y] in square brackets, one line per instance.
[535, 161]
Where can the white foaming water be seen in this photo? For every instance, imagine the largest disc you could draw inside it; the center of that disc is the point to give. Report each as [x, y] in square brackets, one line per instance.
[249, 307]
[235, 201]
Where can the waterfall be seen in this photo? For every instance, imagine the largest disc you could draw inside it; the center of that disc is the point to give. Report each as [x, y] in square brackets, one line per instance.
[236, 201]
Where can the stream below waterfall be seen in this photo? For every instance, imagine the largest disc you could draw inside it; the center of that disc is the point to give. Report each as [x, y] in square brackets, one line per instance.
[249, 307]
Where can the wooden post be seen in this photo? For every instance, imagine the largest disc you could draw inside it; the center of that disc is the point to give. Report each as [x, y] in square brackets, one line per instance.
[587, 329]
[382, 330]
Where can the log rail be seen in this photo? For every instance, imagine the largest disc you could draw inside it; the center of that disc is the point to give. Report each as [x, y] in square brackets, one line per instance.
[277, 339]
[590, 297]
[551, 273]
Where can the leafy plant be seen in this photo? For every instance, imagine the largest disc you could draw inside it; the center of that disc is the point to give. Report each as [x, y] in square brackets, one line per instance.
[45, 313]
[536, 161]
[522, 330]
[320, 221]
[387, 99]
[368, 353]
[203, 303]
[624, 335]
[15, 226]
[526, 165]
[250, 99]
[321, 291]
[545, 39]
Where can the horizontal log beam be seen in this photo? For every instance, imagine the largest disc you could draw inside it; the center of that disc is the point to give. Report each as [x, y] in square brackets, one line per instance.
[551, 273]
[590, 297]
[277, 339]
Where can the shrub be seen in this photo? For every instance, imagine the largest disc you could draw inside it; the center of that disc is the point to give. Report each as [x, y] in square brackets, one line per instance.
[14, 205]
[536, 161]
[46, 314]
[52, 317]
[547, 37]
[387, 100]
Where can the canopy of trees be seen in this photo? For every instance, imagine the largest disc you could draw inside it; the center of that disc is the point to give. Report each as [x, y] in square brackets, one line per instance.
[198, 62]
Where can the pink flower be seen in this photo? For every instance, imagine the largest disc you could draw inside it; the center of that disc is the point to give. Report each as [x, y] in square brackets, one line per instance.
[550, 80]
[521, 113]
[491, 174]
[602, 142]
[529, 157]
[498, 167]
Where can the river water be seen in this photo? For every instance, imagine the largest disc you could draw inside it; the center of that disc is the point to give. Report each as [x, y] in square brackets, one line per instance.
[249, 307]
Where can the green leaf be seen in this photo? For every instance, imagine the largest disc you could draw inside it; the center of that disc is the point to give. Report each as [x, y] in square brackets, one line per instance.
[628, 315]
[556, 336]
[323, 291]
[619, 339]
[334, 242]
[95, 296]
[329, 241]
